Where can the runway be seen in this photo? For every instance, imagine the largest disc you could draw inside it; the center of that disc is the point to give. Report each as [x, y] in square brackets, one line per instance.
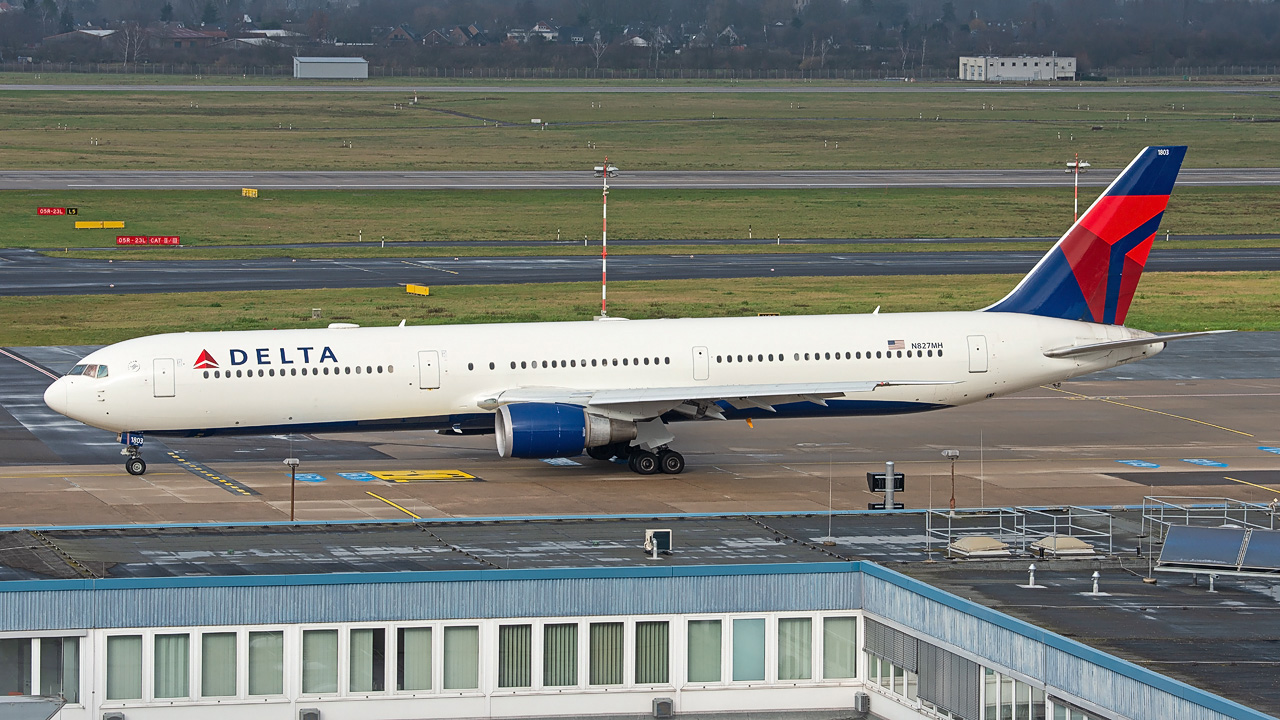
[654, 86]
[26, 272]
[1204, 400]
[582, 179]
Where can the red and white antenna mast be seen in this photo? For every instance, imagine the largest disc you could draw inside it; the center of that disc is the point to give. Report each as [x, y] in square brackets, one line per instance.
[1077, 178]
[604, 243]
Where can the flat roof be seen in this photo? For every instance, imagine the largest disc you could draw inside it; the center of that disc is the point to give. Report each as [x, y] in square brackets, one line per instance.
[330, 59]
[1224, 642]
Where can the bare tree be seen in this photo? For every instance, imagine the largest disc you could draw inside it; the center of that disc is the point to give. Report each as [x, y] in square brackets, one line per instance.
[132, 40]
[598, 46]
[822, 50]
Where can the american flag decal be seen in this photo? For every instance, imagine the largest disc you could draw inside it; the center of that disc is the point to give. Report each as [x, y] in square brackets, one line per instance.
[897, 345]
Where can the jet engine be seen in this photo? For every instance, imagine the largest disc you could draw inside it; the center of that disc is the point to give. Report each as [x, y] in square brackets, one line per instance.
[543, 430]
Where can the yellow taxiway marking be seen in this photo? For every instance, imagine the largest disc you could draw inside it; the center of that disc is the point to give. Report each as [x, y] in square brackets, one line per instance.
[1157, 412]
[1246, 482]
[408, 476]
[406, 512]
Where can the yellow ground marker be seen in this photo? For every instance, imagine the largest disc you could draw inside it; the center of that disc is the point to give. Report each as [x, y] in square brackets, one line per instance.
[409, 476]
[406, 512]
[248, 192]
[418, 289]
[1246, 482]
[1157, 412]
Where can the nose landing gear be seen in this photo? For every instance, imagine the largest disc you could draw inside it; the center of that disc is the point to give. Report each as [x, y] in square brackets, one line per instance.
[132, 450]
[134, 465]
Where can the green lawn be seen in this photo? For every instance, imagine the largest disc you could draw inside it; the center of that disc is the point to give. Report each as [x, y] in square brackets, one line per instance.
[302, 130]
[207, 217]
[1165, 302]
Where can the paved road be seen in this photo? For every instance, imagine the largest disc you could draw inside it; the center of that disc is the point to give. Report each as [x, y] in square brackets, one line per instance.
[25, 272]
[653, 87]
[574, 179]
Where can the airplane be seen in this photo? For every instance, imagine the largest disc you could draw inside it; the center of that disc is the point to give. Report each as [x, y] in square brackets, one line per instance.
[613, 388]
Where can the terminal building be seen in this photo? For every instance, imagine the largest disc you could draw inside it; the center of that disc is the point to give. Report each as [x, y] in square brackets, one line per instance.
[995, 68]
[766, 615]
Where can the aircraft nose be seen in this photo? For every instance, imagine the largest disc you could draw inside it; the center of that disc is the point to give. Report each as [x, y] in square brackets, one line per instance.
[55, 396]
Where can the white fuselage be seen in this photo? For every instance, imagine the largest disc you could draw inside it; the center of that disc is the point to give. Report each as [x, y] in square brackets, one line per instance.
[447, 376]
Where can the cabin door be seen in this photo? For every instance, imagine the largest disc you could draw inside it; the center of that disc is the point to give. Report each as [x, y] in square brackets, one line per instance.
[428, 369]
[701, 364]
[977, 353]
[164, 382]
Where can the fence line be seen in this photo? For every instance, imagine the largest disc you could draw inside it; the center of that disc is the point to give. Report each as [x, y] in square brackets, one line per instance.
[588, 73]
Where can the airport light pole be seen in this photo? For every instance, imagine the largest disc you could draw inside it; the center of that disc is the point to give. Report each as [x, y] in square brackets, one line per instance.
[293, 482]
[952, 455]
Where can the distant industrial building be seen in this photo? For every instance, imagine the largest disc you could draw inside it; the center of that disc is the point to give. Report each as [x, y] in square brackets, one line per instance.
[331, 68]
[534, 617]
[1022, 67]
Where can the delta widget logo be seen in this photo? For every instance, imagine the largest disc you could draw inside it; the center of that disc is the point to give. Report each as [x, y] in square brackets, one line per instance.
[205, 361]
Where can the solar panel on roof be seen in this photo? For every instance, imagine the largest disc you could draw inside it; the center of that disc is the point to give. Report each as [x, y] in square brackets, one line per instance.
[1206, 546]
[1263, 552]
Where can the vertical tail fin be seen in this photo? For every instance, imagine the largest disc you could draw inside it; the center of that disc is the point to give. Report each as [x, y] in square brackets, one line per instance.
[1092, 272]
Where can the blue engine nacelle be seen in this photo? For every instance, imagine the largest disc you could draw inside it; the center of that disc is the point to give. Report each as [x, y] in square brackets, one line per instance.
[544, 430]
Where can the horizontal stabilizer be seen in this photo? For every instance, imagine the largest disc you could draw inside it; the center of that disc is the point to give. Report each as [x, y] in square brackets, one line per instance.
[1134, 342]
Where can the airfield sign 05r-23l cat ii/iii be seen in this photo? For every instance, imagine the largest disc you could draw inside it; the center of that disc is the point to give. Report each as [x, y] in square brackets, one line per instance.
[615, 388]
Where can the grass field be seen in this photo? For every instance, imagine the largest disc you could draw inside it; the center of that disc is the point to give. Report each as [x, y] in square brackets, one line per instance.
[1165, 302]
[203, 218]
[367, 131]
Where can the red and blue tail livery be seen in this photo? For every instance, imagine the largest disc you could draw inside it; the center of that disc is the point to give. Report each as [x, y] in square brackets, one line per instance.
[1093, 271]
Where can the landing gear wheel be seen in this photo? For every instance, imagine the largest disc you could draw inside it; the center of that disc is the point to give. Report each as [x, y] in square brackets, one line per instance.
[135, 465]
[604, 452]
[671, 462]
[643, 462]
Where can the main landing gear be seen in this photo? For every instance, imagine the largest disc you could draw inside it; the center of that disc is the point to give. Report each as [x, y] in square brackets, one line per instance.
[641, 461]
[132, 450]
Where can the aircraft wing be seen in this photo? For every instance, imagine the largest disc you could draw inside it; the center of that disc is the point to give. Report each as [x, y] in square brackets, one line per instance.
[1072, 351]
[698, 400]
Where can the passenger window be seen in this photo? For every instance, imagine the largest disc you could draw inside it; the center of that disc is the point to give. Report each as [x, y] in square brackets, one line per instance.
[544, 363]
[553, 363]
[522, 365]
[615, 362]
[899, 353]
[646, 361]
[635, 361]
[206, 374]
[930, 353]
[739, 358]
[877, 354]
[797, 356]
[513, 367]
[293, 372]
[719, 358]
[857, 355]
[939, 352]
[272, 372]
[806, 356]
[828, 356]
[593, 362]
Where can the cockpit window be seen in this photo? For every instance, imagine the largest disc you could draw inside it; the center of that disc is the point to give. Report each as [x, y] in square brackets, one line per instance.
[93, 371]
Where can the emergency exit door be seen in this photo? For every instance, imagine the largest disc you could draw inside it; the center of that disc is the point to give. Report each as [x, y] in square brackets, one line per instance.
[163, 384]
[977, 353]
[428, 369]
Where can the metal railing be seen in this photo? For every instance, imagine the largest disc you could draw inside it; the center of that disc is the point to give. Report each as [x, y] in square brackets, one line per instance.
[1160, 512]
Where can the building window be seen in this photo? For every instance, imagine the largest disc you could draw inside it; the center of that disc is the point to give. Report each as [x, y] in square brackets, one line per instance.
[839, 647]
[795, 649]
[515, 656]
[266, 663]
[652, 653]
[606, 654]
[218, 665]
[748, 649]
[704, 651]
[368, 653]
[560, 654]
[59, 668]
[413, 659]
[15, 666]
[462, 658]
[170, 664]
[319, 661]
[124, 667]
